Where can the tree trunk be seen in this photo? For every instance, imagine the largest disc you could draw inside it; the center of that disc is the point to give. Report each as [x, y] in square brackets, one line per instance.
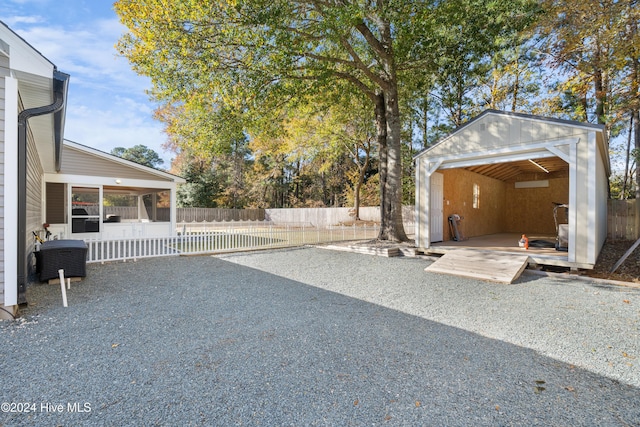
[516, 85]
[636, 137]
[626, 163]
[356, 201]
[362, 169]
[601, 97]
[585, 107]
[391, 209]
[381, 130]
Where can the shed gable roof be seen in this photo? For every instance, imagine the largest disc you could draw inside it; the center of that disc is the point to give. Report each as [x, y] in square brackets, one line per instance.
[496, 130]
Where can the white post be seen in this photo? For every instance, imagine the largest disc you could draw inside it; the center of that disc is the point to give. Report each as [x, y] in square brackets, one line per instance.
[64, 291]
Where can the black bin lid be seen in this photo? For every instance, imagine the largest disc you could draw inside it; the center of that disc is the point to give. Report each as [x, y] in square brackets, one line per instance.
[63, 244]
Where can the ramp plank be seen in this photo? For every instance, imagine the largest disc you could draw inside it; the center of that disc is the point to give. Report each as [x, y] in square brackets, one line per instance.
[485, 265]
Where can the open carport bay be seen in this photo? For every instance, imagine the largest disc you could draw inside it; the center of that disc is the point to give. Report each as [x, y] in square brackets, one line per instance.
[513, 197]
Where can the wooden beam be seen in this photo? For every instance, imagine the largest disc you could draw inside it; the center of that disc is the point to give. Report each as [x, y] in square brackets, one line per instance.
[625, 256]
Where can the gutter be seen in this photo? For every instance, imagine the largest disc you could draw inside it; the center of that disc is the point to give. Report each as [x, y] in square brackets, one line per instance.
[58, 107]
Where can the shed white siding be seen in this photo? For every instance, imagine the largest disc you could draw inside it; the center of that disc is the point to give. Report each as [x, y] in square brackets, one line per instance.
[602, 194]
[503, 133]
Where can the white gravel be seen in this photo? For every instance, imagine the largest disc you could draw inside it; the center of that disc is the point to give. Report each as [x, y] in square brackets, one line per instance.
[585, 323]
[317, 337]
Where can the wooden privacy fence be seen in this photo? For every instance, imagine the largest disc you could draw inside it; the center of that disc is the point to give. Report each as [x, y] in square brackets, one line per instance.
[190, 214]
[318, 217]
[622, 219]
[222, 240]
[218, 214]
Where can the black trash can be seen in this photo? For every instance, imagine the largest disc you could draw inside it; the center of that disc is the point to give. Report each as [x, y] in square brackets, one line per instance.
[68, 255]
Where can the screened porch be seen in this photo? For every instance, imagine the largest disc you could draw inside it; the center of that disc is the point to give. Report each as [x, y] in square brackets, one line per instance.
[106, 211]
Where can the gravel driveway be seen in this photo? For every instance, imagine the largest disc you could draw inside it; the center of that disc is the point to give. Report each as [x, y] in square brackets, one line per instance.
[311, 336]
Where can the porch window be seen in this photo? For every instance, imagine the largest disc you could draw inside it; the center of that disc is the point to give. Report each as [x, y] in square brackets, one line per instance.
[73, 210]
[136, 205]
[85, 210]
[119, 205]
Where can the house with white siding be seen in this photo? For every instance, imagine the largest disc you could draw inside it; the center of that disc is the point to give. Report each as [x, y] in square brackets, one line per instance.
[96, 195]
[79, 192]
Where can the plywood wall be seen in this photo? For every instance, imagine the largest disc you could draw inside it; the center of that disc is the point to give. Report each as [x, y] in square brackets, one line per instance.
[530, 210]
[502, 207]
[488, 217]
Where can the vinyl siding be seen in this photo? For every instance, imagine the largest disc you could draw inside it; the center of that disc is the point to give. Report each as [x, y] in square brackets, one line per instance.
[34, 200]
[75, 162]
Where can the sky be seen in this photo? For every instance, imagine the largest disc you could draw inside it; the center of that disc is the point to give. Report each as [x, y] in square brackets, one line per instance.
[107, 105]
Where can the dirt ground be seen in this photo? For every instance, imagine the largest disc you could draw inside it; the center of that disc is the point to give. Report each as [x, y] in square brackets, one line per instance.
[612, 251]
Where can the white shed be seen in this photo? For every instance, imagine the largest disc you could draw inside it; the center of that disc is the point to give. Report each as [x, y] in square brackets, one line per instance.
[502, 174]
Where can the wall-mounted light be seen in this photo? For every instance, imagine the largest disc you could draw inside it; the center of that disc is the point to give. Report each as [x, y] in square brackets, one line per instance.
[118, 181]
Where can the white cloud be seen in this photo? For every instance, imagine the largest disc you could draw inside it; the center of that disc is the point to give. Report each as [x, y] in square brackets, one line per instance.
[17, 20]
[110, 128]
[37, 2]
[87, 52]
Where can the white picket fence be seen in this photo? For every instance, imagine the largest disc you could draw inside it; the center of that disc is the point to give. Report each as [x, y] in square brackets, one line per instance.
[220, 239]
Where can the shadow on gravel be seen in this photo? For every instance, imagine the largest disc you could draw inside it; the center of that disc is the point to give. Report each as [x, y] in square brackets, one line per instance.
[203, 341]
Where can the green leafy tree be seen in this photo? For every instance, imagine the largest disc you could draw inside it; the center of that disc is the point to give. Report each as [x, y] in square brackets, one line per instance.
[583, 39]
[347, 130]
[470, 36]
[202, 187]
[255, 55]
[140, 154]
[512, 83]
[213, 180]
[596, 44]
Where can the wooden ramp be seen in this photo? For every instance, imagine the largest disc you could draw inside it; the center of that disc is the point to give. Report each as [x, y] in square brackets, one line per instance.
[486, 265]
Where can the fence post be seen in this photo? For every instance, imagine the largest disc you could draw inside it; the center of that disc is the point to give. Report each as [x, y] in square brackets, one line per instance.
[637, 219]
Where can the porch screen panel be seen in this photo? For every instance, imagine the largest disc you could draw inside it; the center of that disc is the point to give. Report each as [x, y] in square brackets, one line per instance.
[158, 206]
[85, 210]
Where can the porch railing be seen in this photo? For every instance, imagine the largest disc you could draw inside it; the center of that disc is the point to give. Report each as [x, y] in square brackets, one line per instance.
[200, 240]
